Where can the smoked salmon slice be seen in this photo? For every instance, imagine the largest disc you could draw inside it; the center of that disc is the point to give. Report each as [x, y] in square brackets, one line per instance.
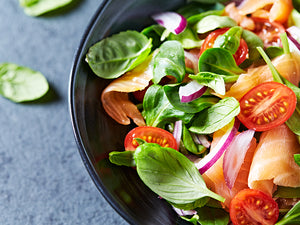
[115, 98]
[214, 176]
[273, 162]
[288, 65]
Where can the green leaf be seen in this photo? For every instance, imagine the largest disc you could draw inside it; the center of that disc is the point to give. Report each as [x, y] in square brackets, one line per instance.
[195, 8]
[124, 158]
[119, 53]
[212, 22]
[211, 80]
[230, 40]
[297, 158]
[253, 41]
[172, 176]
[294, 18]
[215, 117]
[219, 61]
[39, 7]
[292, 216]
[19, 83]
[169, 61]
[212, 216]
[189, 143]
[197, 105]
[187, 38]
[154, 32]
[158, 110]
[287, 192]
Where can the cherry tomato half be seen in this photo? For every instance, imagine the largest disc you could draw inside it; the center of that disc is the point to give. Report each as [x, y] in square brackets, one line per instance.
[239, 56]
[268, 31]
[151, 135]
[251, 206]
[266, 106]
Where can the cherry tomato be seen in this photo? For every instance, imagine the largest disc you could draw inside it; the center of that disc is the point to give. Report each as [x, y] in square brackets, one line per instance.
[268, 31]
[151, 135]
[266, 106]
[239, 56]
[253, 207]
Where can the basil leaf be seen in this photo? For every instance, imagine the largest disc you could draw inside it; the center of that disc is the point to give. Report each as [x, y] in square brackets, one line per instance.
[124, 158]
[215, 117]
[219, 61]
[211, 80]
[158, 110]
[297, 158]
[172, 176]
[292, 216]
[169, 61]
[230, 40]
[212, 216]
[212, 22]
[19, 83]
[197, 105]
[119, 53]
[39, 7]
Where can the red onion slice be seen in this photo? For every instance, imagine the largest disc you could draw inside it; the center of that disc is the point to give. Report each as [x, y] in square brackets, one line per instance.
[235, 155]
[177, 133]
[191, 91]
[293, 34]
[172, 21]
[182, 212]
[201, 140]
[215, 153]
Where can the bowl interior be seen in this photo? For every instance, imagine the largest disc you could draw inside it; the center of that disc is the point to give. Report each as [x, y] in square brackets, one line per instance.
[97, 134]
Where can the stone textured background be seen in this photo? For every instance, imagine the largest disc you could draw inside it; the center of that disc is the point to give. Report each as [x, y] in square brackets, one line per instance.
[42, 177]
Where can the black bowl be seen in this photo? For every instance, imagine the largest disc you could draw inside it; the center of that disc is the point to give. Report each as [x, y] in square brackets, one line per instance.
[97, 134]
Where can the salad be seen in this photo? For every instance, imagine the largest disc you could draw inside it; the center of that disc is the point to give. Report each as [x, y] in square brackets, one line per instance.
[213, 91]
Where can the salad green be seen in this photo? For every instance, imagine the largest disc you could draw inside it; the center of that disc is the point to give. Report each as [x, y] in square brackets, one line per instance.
[208, 111]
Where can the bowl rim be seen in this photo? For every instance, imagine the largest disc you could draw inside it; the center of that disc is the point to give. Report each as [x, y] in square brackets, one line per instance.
[71, 102]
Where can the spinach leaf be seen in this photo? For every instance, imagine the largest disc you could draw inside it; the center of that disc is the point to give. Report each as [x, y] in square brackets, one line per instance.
[193, 219]
[169, 61]
[39, 7]
[172, 176]
[187, 38]
[213, 22]
[193, 20]
[230, 40]
[119, 53]
[297, 158]
[292, 216]
[215, 117]
[19, 83]
[197, 105]
[211, 80]
[124, 158]
[253, 41]
[212, 216]
[219, 61]
[274, 51]
[158, 111]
